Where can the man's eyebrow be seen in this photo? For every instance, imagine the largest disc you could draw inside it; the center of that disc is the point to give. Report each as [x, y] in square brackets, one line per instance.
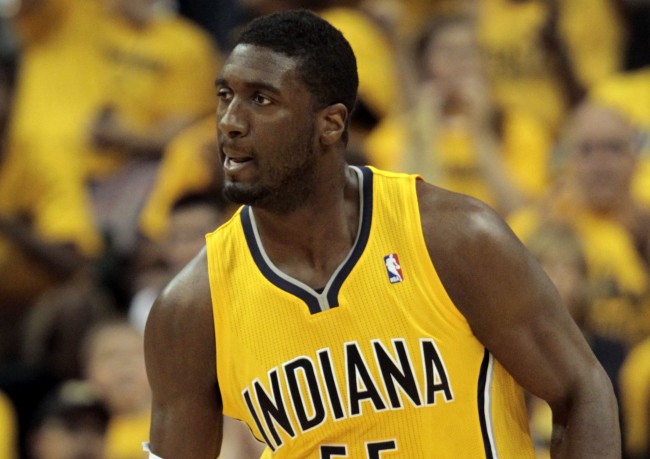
[262, 85]
[250, 84]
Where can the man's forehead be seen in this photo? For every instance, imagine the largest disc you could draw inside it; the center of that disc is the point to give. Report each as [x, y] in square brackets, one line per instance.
[256, 63]
[598, 118]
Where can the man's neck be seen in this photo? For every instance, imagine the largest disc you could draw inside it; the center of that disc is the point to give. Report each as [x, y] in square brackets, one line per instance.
[309, 243]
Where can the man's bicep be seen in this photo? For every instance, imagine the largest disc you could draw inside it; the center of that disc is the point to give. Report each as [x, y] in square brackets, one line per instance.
[516, 312]
[511, 305]
[528, 328]
[180, 355]
[533, 336]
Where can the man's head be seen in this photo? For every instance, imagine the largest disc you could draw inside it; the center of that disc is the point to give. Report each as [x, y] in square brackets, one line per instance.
[448, 49]
[70, 423]
[602, 152]
[113, 358]
[192, 217]
[285, 94]
[326, 62]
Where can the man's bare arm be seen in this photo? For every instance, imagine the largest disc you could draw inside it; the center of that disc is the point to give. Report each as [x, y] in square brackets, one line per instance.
[180, 355]
[515, 311]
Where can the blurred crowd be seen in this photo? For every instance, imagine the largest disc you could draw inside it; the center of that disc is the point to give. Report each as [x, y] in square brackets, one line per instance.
[110, 178]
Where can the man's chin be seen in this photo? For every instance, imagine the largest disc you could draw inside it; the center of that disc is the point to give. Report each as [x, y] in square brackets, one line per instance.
[240, 193]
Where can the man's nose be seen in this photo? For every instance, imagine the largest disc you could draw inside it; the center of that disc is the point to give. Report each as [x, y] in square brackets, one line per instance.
[231, 119]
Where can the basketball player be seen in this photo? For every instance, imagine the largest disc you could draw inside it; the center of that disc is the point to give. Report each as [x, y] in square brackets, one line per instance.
[349, 312]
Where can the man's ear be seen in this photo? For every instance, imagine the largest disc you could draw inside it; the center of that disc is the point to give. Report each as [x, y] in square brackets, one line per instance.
[332, 123]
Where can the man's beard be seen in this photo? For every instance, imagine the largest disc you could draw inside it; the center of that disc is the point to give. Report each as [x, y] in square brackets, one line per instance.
[284, 187]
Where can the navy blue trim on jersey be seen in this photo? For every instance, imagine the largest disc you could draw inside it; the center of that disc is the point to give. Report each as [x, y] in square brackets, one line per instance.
[362, 241]
[483, 405]
[270, 274]
[315, 301]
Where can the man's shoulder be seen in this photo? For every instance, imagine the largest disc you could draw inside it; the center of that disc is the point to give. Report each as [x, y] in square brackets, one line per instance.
[189, 289]
[449, 209]
[454, 223]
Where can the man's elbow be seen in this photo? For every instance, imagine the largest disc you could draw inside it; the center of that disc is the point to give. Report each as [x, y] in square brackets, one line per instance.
[589, 390]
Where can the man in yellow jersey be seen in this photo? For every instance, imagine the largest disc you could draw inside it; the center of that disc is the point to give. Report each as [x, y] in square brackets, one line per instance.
[350, 312]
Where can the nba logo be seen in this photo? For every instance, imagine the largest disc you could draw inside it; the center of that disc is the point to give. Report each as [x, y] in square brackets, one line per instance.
[393, 268]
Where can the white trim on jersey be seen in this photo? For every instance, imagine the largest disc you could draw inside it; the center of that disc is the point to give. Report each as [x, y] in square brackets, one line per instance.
[488, 405]
[146, 448]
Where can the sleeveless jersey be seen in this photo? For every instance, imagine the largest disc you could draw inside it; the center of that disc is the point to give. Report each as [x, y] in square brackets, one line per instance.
[378, 364]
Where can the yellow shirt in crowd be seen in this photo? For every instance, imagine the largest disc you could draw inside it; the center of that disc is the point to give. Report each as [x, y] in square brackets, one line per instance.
[8, 429]
[45, 193]
[125, 436]
[523, 72]
[614, 267]
[77, 59]
[164, 71]
[635, 399]
[188, 165]
[378, 78]
[524, 150]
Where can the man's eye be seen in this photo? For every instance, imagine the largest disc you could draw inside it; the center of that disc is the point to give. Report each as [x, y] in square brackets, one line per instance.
[261, 99]
[224, 94]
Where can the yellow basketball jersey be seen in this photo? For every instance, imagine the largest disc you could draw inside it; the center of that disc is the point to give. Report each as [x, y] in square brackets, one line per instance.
[380, 363]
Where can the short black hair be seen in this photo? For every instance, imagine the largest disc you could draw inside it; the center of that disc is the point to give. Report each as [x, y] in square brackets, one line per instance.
[74, 403]
[327, 64]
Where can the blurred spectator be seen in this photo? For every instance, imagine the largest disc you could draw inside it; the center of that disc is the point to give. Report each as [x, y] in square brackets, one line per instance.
[114, 361]
[560, 253]
[135, 84]
[70, 424]
[190, 165]
[57, 322]
[543, 54]
[52, 337]
[192, 217]
[113, 357]
[56, 38]
[407, 19]
[158, 74]
[43, 236]
[629, 92]
[8, 429]
[593, 195]
[456, 135]
[635, 400]
[131, 74]
[378, 74]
